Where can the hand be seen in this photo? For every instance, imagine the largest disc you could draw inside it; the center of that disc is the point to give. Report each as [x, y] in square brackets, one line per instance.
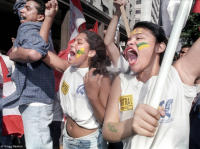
[145, 120]
[118, 3]
[51, 8]
[92, 84]
[12, 52]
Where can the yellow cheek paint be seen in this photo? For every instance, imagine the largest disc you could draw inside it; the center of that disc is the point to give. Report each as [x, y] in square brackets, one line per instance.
[80, 52]
[136, 31]
[142, 45]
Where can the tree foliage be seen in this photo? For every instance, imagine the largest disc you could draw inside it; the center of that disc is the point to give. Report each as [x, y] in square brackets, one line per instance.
[191, 31]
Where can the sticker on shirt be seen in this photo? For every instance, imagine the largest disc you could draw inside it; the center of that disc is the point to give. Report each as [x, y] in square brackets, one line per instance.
[126, 103]
[81, 90]
[64, 88]
[167, 106]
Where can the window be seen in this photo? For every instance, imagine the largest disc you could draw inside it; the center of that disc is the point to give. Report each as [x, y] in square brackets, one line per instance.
[138, 1]
[138, 11]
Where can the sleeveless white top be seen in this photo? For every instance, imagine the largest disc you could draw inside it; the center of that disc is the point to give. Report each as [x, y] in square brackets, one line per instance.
[74, 100]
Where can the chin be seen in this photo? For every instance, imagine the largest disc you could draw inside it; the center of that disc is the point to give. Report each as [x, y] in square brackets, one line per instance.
[22, 21]
[135, 69]
[74, 64]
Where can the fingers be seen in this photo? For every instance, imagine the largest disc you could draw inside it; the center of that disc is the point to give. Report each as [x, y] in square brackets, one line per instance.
[55, 4]
[154, 113]
[52, 4]
[139, 128]
[89, 74]
[91, 77]
[161, 111]
[145, 120]
[91, 71]
[120, 2]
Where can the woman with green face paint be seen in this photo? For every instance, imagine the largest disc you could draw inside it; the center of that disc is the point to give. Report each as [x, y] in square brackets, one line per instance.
[129, 117]
[84, 90]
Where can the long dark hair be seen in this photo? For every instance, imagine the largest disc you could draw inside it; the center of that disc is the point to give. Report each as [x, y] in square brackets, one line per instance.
[100, 61]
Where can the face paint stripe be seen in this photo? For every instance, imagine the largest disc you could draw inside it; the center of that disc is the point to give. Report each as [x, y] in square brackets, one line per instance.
[142, 45]
[136, 31]
[80, 52]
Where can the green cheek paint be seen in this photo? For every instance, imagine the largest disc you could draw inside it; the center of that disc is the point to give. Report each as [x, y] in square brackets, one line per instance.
[142, 45]
[80, 52]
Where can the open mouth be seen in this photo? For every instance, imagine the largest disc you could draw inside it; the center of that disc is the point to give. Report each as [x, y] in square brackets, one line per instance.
[71, 54]
[131, 55]
[22, 17]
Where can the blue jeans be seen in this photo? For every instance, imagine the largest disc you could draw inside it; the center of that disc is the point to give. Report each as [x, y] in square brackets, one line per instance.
[91, 141]
[36, 120]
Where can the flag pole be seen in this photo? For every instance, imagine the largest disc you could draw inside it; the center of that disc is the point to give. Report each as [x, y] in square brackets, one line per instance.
[125, 20]
[181, 17]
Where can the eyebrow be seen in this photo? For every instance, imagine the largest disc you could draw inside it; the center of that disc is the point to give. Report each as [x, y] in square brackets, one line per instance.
[79, 39]
[27, 6]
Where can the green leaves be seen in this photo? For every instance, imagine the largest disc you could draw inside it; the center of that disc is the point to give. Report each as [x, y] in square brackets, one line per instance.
[191, 31]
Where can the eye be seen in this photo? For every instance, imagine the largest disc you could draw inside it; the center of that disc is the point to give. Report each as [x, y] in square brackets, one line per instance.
[80, 42]
[138, 38]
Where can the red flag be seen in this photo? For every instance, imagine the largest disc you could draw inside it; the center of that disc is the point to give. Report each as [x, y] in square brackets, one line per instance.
[12, 120]
[196, 8]
[95, 28]
[77, 19]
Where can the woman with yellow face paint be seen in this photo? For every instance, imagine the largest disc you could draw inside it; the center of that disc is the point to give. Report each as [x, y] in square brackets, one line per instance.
[84, 90]
[129, 115]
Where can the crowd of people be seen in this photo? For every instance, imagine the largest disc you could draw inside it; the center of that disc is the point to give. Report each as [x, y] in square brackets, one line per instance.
[100, 108]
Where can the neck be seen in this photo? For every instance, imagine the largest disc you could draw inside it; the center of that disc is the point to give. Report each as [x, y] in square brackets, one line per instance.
[151, 70]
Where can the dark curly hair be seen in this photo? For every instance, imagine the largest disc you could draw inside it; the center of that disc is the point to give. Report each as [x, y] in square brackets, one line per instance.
[100, 61]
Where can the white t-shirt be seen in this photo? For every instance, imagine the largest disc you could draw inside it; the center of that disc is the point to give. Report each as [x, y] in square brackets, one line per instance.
[74, 100]
[122, 64]
[173, 130]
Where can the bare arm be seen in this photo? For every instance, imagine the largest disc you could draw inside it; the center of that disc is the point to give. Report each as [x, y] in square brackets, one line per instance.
[50, 12]
[113, 129]
[55, 62]
[144, 122]
[24, 55]
[51, 59]
[112, 49]
[97, 89]
[188, 66]
[29, 55]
